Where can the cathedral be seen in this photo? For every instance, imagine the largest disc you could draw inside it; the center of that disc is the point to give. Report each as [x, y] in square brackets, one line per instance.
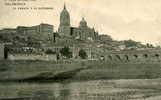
[82, 32]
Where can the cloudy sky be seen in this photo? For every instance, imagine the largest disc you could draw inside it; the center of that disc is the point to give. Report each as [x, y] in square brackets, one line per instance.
[122, 19]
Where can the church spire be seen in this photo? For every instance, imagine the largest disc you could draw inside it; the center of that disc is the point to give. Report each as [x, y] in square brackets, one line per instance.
[64, 6]
[83, 18]
[64, 26]
[65, 17]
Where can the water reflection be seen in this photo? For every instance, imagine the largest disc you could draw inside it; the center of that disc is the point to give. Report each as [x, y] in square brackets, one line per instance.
[92, 90]
[44, 92]
[69, 92]
[65, 95]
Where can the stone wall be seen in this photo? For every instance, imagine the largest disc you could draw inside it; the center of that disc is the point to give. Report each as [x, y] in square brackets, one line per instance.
[32, 57]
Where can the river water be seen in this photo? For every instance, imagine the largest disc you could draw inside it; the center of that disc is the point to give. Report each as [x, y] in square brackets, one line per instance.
[85, 90]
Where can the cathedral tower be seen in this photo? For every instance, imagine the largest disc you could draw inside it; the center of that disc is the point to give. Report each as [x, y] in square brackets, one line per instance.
[64, 27]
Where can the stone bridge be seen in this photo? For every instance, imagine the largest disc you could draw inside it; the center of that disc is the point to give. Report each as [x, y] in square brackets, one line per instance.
[150, 55]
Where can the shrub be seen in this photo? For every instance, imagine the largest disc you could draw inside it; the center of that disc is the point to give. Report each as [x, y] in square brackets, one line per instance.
[83, 54]
[66, 52]
[49, 51]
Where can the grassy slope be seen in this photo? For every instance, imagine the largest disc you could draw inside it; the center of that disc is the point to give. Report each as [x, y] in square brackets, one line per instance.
[25, 69]
[121, 71]
[29, 69]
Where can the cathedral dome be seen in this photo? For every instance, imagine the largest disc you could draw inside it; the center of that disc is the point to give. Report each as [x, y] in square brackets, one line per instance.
[64, 17]
[83, 23]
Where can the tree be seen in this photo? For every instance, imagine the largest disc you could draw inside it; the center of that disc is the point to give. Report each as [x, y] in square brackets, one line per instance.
[66, 52]
[149, 45]
[83, 54]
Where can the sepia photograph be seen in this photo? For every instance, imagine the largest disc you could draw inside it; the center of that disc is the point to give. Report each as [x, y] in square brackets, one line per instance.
[80, 49]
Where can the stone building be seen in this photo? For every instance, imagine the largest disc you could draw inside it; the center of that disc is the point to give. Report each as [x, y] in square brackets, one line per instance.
[82, 32]
[39, 29]
[8, 30]
[42, 31]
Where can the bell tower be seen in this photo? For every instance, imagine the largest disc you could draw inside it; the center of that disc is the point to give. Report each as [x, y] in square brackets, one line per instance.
[64, 27]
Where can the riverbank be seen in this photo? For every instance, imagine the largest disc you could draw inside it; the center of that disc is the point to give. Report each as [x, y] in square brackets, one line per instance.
[31, 71]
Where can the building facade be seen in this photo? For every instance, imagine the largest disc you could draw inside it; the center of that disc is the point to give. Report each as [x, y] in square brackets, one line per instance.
[38, 29]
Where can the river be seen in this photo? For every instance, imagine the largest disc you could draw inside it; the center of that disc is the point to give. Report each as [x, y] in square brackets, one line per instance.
[147, 89]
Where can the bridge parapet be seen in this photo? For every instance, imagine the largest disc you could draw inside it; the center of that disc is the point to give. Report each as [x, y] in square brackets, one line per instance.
[133, 56]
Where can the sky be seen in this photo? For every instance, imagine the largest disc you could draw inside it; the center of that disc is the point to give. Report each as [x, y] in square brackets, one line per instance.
[139, 20]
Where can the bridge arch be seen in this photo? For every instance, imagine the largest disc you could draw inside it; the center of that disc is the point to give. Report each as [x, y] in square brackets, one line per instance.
[145, 55]
[127, 57]
[157, 55]
[136, 56]
[118, 57]
[110, 57]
